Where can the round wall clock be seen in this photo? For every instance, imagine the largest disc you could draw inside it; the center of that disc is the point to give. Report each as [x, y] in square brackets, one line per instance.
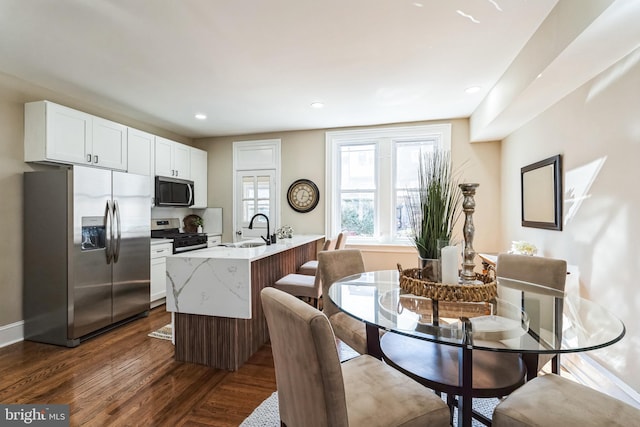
[303, 195]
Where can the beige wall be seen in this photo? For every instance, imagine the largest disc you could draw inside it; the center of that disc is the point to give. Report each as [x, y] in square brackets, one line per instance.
[597, 124]
[11, 168]
[303, 156]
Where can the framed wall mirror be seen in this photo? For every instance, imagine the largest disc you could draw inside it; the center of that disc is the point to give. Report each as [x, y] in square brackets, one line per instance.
[541, 186]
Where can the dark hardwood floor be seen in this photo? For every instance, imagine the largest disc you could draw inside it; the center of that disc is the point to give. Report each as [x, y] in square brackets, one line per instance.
[125, 378]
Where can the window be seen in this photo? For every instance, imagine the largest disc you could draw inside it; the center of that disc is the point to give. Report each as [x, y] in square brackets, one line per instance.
[370, 174]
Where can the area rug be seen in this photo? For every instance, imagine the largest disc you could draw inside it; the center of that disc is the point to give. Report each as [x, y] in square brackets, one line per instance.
[163, 333]
[266, 415]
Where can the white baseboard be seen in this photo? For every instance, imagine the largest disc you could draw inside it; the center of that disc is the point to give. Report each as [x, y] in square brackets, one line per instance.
[11, 333]
[158, 301]
[589, 372]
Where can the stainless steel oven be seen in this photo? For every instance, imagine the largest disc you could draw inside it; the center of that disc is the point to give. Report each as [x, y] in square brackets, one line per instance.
[168, 228]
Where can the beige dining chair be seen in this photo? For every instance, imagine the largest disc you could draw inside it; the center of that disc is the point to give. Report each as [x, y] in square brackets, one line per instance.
[311, 267]
[551, 400]
[315, 389]
[334, 265]
[546, 272]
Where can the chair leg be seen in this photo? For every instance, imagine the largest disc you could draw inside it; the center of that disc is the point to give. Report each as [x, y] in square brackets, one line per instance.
[555, 364]
[451, 403]
[531, 362]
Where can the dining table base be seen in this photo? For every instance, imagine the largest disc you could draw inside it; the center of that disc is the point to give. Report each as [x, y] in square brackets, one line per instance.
[457, 371]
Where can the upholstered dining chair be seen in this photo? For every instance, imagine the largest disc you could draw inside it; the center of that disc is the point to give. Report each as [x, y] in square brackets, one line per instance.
[315, 389]
[334, 265]
[311, 267]
[547, 272]
[551, 400]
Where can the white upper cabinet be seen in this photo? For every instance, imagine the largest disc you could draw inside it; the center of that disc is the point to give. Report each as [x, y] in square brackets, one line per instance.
[140, 152]
[140, 148]
[199, 177]
[172, 159]
[57, 134]
[109, 147]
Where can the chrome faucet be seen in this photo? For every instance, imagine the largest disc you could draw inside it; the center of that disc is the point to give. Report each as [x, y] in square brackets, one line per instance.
[270, 238]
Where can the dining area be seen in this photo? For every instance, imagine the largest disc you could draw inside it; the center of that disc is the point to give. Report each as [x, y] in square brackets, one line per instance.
[454, 351]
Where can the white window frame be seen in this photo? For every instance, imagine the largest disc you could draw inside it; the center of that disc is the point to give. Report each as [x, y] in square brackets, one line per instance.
[385, 138]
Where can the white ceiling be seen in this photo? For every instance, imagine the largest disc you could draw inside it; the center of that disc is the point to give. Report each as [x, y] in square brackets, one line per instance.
[256, 65]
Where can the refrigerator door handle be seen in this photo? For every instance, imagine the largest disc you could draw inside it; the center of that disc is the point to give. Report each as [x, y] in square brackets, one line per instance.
[116, 251]
[109, 234]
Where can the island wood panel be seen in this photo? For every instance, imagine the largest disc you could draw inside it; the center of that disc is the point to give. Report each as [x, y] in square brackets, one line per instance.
[224, 342]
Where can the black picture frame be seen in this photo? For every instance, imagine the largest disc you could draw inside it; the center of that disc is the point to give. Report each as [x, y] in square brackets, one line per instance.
[541, 194]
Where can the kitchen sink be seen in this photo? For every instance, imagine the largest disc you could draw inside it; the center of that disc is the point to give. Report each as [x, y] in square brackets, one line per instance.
[249, 244]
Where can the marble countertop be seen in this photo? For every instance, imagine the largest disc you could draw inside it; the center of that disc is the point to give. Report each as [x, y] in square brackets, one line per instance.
[250, 254]
[217, 281]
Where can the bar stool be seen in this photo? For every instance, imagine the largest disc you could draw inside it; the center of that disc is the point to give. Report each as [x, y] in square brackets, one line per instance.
[303, 285]
[311, 267]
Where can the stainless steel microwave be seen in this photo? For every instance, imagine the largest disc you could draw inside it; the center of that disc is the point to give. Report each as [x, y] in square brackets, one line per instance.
[173, 192]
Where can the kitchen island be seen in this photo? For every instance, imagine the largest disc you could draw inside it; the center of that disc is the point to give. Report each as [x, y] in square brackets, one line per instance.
[214, 294]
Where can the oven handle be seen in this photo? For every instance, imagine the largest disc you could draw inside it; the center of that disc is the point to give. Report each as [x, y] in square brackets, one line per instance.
[189, 248]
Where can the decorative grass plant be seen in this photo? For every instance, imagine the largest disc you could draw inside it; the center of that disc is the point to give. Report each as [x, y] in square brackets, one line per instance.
[437, 205]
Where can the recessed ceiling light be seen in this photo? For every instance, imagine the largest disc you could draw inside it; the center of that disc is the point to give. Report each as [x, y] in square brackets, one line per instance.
[473, 89]
[317, 105]
[200, 116]
[418, 4]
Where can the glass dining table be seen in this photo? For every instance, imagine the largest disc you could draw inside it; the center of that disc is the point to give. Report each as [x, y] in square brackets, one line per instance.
[525, 318]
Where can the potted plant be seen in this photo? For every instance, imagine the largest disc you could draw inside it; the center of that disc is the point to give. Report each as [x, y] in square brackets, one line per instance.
[193, 224]
[198, 222]
[434, 209]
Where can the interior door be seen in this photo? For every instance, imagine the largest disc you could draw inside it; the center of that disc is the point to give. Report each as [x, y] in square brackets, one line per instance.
[255, 193]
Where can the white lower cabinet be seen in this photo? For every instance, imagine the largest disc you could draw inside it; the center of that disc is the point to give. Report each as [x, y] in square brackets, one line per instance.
[159, 252]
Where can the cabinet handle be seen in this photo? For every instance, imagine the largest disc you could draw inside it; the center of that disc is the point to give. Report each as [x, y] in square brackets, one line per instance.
[95, 159]
[89, 158]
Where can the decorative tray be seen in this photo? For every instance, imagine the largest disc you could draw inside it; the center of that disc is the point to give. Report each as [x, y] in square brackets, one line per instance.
[485, 290]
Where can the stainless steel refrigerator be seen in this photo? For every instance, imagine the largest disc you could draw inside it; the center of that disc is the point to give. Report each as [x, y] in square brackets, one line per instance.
[86, 252]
